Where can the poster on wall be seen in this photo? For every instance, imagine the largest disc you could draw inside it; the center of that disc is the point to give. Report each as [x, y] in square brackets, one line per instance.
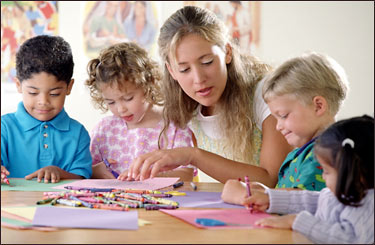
[241, 17]
[110, 22]
[21, 20]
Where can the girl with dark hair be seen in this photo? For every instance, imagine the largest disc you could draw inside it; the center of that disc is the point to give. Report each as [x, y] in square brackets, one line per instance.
[344, 211]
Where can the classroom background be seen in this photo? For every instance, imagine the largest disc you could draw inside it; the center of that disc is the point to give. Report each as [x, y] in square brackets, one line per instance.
[342, 29]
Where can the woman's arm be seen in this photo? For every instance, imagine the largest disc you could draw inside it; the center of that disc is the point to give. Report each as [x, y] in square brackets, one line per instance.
[274, 150]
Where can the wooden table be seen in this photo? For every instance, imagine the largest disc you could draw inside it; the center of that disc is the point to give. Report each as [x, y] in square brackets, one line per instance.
[163, 229]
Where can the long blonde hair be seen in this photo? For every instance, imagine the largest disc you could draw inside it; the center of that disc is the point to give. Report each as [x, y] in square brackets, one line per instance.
[244, 72]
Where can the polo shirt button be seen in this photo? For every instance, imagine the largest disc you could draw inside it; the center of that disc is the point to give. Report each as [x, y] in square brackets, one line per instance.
[45, 146]
[45, 135]
[46, 126]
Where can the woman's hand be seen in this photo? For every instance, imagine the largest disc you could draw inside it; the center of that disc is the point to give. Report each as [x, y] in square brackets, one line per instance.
[148, 165]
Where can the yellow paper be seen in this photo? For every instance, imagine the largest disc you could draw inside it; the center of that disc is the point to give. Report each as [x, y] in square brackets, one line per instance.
[25, 212]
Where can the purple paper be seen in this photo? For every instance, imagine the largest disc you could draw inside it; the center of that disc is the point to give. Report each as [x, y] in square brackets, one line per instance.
[85, 218]
[195, 199]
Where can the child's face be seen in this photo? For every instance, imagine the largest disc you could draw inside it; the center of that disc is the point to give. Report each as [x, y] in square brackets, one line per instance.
[43, 96]
[130, 105]
[297, 122]
[329, 173]
[200, 69]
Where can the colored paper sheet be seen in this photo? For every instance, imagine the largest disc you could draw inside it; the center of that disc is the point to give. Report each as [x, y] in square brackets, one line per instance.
[14, 221]
[20, 184]
[85, 218]
[234, 216]
[28, 213]
[25, 212]
[148, 184]
[195, 199]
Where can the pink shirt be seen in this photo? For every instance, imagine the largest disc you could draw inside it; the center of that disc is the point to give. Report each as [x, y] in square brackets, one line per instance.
[112, 139]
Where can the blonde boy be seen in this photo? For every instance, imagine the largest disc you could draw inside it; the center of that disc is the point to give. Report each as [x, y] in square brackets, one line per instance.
[304, 94]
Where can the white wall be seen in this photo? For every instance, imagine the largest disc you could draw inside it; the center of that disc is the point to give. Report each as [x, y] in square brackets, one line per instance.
[343, 30]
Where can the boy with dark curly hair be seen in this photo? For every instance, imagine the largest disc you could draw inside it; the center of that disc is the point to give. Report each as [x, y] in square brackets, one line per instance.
[40, 140]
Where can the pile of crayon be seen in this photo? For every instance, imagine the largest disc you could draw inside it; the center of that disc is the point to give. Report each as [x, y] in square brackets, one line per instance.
[111, 199]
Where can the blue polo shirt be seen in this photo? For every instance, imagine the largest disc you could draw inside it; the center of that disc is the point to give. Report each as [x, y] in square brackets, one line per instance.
[28, 144]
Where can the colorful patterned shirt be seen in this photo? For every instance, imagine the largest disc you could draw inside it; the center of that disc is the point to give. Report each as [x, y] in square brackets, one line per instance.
[301, 170]
[112, 139]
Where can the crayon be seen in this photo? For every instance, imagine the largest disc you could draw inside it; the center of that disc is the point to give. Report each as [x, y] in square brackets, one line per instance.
[67, 202]
[5, 178]
[44, 201]
[178, 184]
[158, 206]
[110, 207]
[86, 204]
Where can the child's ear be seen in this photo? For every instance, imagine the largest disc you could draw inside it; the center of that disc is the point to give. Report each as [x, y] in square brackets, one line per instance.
[18, 85]
[70, 86]
[228, 53]
[170, 70]
[320, 105]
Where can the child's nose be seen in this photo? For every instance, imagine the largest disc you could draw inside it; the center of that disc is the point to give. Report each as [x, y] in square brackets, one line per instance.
[43, 99]
[279, 126]
[122, 108]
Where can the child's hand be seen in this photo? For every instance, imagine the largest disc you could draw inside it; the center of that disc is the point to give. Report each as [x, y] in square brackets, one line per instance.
[48, 173]
[258, 200]
[4, 173]
[234, 192]
[282, 222]
[100, 171]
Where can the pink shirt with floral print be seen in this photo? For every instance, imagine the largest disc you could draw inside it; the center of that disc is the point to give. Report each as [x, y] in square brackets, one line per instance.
[112, 139]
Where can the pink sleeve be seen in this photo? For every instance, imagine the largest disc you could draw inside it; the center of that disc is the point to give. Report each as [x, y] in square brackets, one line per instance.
[182, 138]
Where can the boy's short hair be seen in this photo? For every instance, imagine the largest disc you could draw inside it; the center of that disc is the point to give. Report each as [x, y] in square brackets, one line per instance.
[307, 76]
[50, 54]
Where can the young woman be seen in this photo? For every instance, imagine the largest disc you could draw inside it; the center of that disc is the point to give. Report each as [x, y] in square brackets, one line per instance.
[216, 91]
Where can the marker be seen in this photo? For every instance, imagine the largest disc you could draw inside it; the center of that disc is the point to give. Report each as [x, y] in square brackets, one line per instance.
[178, 184]
[248, 188]
[193, 185]
[109, 166]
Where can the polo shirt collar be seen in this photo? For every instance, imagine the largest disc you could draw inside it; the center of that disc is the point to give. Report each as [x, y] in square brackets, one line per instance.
[28, 122]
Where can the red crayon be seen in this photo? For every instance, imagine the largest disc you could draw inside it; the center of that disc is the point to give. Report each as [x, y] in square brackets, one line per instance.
[5, 178]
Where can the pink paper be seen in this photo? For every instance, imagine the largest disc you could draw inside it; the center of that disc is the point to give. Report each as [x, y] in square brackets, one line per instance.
[148, 184]
[234, 216]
